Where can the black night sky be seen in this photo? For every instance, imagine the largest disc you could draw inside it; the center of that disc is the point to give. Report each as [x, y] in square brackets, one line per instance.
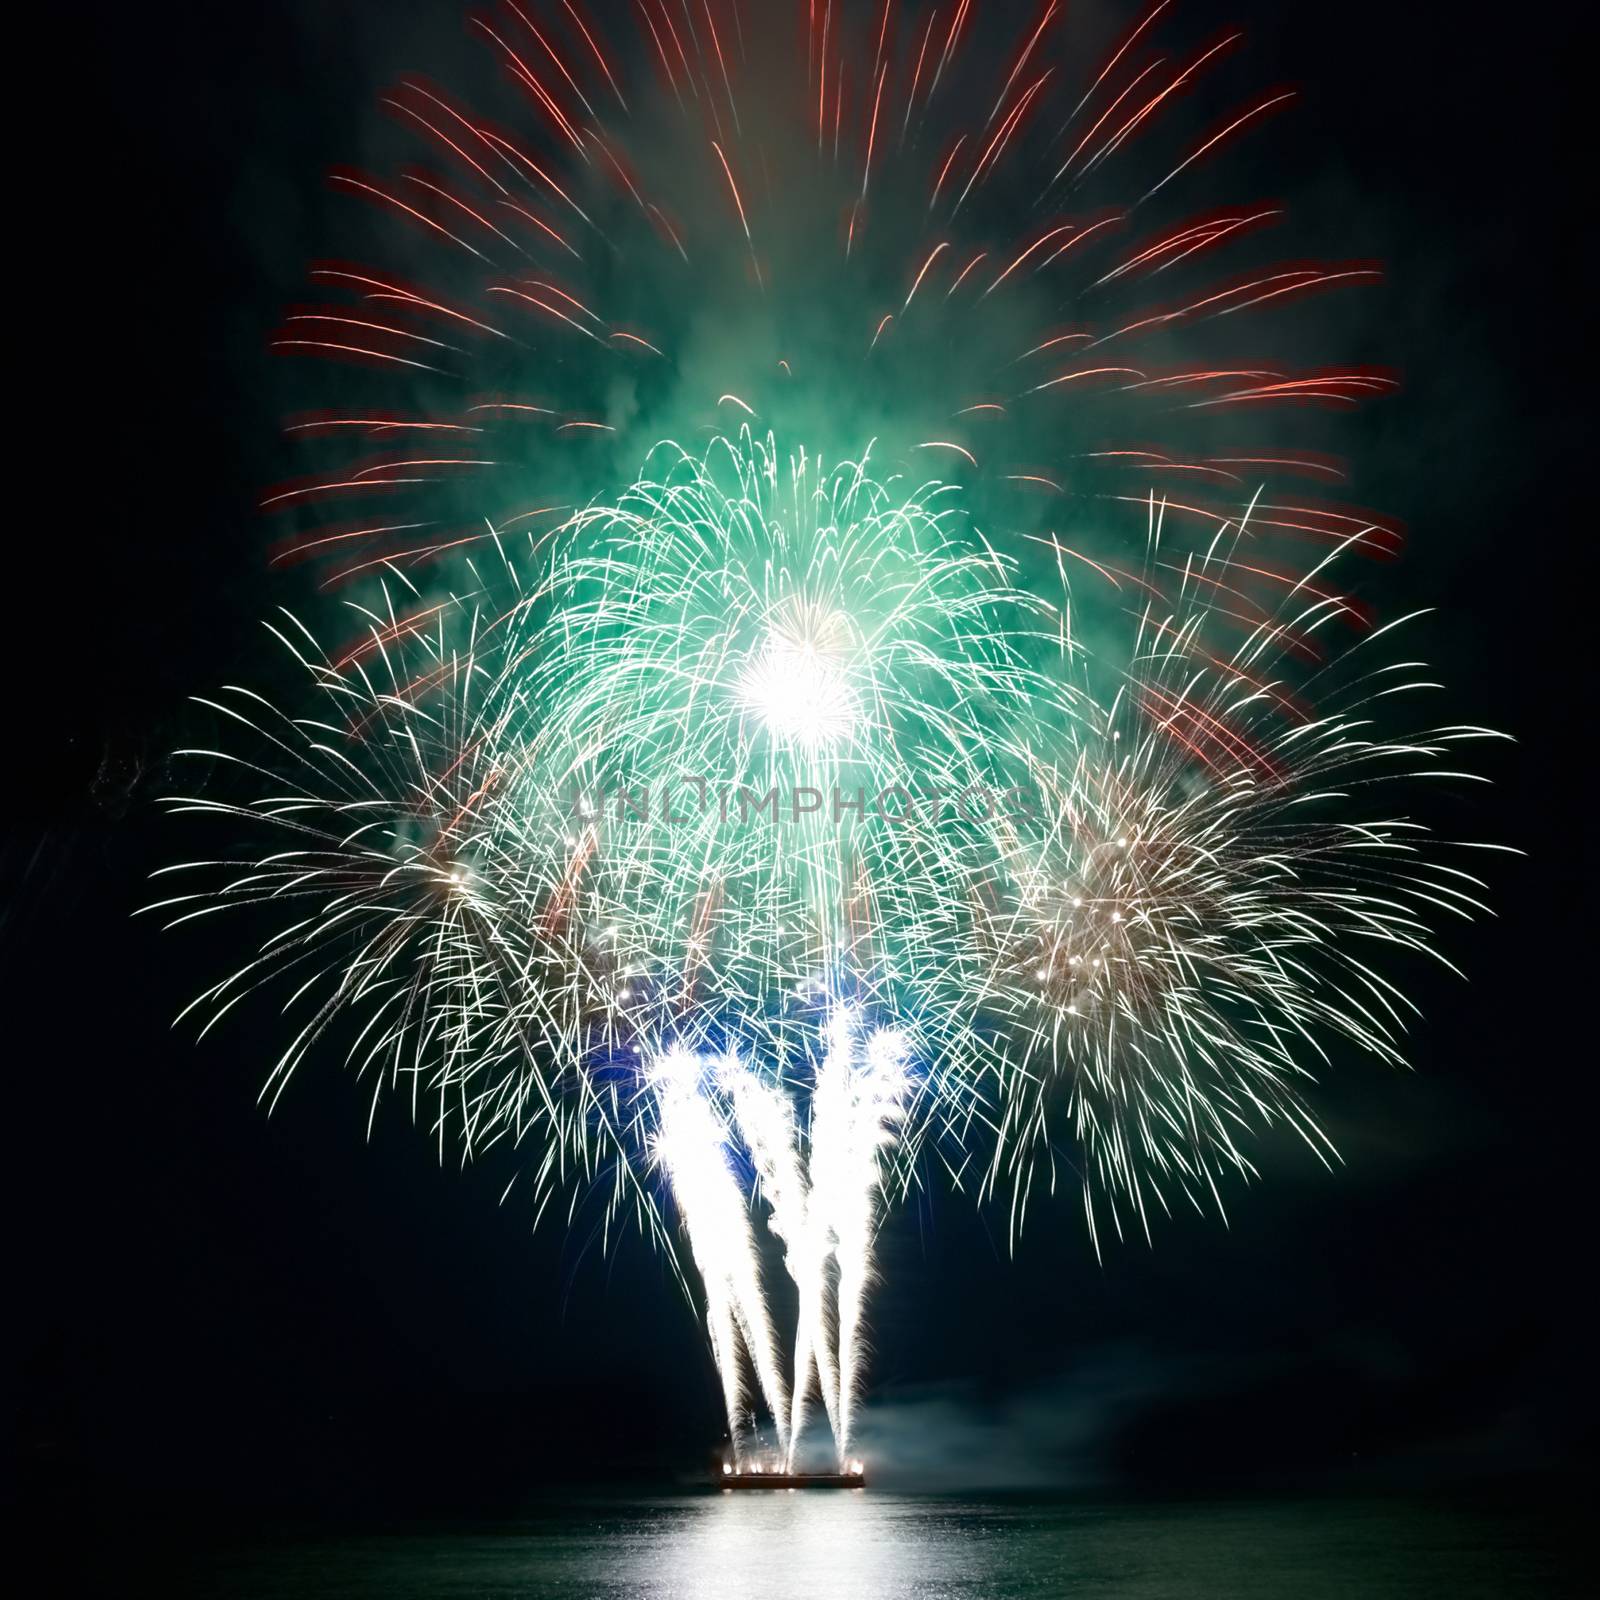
[232, 1318]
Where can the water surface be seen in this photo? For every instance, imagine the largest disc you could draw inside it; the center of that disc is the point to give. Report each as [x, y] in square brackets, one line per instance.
[877, 1546]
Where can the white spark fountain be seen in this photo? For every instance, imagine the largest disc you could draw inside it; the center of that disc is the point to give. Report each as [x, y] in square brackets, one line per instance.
[822, 1196]
[691, 1144]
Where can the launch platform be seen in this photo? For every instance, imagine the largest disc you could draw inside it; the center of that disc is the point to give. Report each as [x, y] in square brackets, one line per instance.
[730, 1480]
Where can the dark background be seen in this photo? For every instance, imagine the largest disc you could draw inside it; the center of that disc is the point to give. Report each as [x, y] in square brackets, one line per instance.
[250, 1318]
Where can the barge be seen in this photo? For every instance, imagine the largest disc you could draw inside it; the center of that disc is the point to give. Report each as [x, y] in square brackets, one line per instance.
[850, 1476]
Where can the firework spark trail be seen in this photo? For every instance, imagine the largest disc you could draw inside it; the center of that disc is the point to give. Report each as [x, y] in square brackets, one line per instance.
[766, 1122]
[1195, 922]
[795, 641]
[858, 1100]
[382, 859]
[426, 924]
[516, 224]
[823, 1207]
[691, 1144]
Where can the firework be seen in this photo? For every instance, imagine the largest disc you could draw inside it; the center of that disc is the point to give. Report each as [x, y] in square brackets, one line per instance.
[767, 1123]
[471, 850]
[1166, 937]
[691, 1144]
[996, 242]
[821, 1189]
[1031, 760]
[396, 911]
[859, 1098]
[775, 696]
[1221, 869]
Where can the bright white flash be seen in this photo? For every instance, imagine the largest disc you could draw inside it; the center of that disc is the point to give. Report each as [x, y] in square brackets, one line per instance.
[797, 683]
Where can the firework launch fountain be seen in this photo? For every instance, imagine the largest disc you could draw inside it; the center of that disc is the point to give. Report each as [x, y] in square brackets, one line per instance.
[821, 1200]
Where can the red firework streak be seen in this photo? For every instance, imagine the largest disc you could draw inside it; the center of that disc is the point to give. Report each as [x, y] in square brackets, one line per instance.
[1013, 225]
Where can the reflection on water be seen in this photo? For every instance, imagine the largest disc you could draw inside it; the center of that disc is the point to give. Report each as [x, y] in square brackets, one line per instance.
[843, 1545]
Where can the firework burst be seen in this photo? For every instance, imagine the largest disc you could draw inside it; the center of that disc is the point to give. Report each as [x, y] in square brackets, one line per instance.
[1215, 884]
[396, 911]
[994, 241]
[773, 694]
